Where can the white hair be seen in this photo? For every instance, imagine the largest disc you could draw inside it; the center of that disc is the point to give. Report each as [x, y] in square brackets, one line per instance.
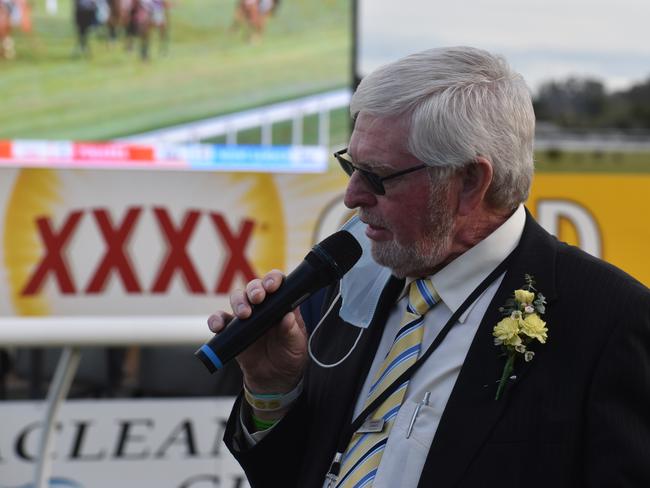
[460, 103]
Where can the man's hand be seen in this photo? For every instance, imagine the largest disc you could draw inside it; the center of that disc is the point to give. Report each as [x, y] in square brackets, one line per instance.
[276, 361]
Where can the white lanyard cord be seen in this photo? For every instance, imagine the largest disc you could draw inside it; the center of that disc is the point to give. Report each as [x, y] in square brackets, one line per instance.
[311, 352]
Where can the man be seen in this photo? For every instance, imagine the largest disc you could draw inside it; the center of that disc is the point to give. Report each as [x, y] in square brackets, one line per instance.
[440, 162]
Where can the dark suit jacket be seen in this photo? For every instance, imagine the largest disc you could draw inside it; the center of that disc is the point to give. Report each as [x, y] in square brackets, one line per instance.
[577, 415]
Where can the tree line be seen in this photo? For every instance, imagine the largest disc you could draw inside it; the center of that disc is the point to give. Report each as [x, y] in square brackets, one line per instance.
[584, 103]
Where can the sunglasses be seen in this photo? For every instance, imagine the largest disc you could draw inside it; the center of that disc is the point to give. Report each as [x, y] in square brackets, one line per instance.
[375, 181]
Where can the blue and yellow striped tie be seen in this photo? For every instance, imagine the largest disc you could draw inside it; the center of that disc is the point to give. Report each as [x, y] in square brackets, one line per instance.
[361, 460]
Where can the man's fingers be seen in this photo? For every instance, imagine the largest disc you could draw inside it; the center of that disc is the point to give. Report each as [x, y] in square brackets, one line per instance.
[218, 321]
[300, 320]
[293, 329]
[288, 322]
[255, 291]
[272, 280]
[239, 304]
[291, 320]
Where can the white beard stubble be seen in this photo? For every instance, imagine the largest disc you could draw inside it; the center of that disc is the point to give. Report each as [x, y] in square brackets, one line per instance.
[425, 254]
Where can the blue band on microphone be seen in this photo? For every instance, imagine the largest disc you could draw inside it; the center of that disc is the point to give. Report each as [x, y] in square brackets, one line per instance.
[209, 353]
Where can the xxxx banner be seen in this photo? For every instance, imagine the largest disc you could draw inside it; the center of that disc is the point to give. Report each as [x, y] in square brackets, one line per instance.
[93, 244]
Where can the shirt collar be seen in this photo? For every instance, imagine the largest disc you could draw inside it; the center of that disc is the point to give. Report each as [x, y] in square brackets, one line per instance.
[458, 279]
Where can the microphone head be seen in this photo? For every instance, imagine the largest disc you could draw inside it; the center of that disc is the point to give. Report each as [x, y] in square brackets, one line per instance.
[338, 252]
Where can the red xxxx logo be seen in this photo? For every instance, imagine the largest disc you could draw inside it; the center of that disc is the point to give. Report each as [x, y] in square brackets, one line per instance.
[116, 257]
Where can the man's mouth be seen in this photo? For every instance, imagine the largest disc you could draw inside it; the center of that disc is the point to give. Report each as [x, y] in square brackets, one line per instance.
[374, 226]
[371, 222]
[375, 231]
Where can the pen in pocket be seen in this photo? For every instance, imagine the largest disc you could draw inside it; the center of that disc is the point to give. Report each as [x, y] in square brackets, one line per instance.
[425, 401]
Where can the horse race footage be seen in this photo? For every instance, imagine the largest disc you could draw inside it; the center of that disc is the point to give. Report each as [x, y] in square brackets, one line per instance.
[105, 69]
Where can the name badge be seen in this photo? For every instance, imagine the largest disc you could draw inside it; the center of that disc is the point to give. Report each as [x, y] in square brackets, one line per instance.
[371, 426]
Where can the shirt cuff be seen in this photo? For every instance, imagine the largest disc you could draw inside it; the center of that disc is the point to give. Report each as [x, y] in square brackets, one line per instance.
[250, 439]
[245, 410]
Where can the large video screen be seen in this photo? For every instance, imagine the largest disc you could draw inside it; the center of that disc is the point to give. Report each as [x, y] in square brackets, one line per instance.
[106, 69]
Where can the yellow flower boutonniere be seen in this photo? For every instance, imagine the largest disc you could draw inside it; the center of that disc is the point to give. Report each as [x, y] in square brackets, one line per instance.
[520, 326]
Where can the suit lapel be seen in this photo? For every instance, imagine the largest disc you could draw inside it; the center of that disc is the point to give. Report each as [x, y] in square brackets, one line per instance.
[472, 410]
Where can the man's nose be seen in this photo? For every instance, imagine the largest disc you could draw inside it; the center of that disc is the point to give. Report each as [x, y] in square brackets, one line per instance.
[357, 193]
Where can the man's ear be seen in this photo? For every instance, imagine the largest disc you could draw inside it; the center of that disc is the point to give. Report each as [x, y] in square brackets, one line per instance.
[476, 178]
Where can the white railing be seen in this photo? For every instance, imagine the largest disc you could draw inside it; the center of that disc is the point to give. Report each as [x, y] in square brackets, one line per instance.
[547, 136]
[263, 117]
[593, 141]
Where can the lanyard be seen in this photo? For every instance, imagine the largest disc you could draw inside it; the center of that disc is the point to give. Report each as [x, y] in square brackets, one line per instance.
[344, 440]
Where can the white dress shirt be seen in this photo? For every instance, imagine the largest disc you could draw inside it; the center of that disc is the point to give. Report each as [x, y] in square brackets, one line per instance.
[404, 458]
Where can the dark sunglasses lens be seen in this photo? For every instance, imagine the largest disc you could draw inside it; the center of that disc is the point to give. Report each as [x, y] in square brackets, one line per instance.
[345, 165]
[374, 181]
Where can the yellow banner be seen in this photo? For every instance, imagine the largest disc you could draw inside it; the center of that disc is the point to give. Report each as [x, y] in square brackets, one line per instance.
[604, 214]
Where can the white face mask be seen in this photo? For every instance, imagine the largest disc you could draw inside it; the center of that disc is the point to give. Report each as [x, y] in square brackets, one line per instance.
[362, 286]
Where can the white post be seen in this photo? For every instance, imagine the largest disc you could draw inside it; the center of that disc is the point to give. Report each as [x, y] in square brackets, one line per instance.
[51, 6]
[296, 129]
[63, 376]
[267, 133]
[324, 128]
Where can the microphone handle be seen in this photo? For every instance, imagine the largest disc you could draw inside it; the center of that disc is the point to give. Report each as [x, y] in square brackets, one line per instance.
[240, 333]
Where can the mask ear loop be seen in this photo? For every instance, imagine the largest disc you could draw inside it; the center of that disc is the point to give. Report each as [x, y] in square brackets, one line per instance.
[311, 353]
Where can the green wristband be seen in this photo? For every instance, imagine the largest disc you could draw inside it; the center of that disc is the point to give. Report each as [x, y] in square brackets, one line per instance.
[262, 424]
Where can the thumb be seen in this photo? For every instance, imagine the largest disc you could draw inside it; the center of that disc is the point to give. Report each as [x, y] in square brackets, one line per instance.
[293, 331]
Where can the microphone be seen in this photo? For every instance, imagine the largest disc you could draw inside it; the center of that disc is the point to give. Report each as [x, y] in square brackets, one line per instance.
[327, 262]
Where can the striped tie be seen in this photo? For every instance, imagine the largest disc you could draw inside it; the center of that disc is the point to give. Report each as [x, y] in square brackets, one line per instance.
[362, 457]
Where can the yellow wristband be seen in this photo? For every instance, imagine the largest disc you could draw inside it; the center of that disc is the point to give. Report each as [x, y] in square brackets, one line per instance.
[272, 402]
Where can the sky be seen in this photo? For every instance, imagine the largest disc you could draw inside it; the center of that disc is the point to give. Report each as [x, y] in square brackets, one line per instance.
[549, 39]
